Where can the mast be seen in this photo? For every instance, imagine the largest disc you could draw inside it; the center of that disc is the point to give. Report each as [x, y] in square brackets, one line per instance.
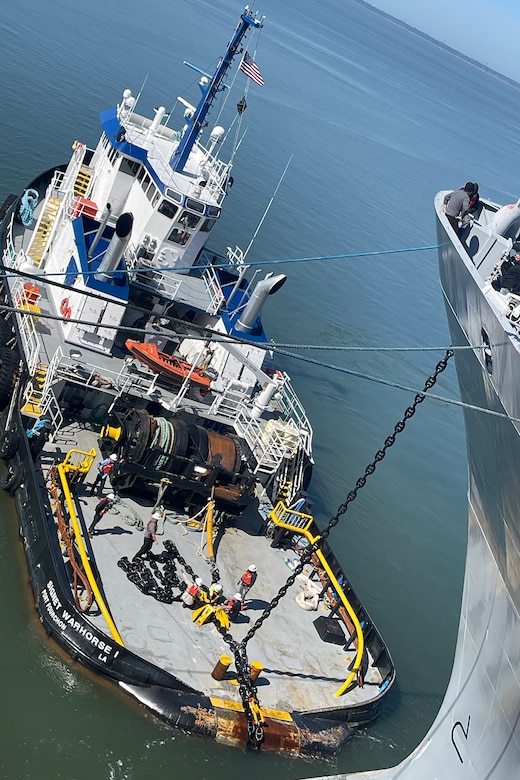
[209, 89]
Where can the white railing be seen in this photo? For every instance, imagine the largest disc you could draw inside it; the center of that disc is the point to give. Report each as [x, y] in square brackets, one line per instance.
[27, 326]
[73, 168]
[9, 257]
[270, 443]
[216, 296]
[290, 407]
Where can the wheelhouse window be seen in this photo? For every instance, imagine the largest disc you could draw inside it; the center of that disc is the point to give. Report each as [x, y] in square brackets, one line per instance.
[207, 225]
[178, 236]
[195, 205]
[176, 196]
[167, 209]
[189, 220]
[131, 167]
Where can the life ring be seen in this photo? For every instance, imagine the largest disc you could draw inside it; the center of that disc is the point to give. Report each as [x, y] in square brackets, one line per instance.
[11, 479]
[65, 309]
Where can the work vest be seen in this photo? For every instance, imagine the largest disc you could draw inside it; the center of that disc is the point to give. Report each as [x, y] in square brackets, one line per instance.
[247, 577]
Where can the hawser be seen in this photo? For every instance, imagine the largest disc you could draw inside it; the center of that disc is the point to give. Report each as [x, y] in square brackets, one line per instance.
[132, 345]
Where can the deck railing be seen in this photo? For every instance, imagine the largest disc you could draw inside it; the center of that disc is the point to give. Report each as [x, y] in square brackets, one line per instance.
[300, 523]
[78, 461]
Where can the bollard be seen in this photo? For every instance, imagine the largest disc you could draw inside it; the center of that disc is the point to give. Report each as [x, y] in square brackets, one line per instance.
[221, 667]
[255, 669]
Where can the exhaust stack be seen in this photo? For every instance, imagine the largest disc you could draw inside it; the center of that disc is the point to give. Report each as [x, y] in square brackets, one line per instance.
[116, 248]
[267, 286]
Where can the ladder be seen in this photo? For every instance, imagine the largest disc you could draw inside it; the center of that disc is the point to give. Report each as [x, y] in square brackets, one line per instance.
[44, 230]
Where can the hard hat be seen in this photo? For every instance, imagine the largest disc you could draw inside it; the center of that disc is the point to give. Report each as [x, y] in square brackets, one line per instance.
[252, 567]
[111, 496]
[156, 516]
[237, 597]
[218, 586]
[113, 456]
[198, 581]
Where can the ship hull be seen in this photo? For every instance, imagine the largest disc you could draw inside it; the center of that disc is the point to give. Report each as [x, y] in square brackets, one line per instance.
[476, 733]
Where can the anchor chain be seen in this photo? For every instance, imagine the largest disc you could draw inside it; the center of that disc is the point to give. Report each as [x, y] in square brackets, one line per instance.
[247, 689]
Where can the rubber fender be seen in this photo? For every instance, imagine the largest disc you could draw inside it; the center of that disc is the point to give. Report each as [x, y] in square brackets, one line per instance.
[12, 478]
[9, 445]
[9, 361]
[5, 331]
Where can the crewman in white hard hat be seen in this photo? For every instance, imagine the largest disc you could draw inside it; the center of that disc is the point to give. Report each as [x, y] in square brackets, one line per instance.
[247, 580]
[233, 606]
[105, 469]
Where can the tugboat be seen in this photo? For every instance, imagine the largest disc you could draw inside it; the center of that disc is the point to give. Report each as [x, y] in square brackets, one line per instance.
[140, 396]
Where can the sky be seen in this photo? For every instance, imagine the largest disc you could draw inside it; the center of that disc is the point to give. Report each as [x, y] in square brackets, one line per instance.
[486, 30]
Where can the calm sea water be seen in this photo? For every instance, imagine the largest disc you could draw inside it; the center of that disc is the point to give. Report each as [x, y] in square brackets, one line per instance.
[377, 120]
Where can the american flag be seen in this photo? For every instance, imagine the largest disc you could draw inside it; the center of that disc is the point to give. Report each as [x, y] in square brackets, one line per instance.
[249, 68]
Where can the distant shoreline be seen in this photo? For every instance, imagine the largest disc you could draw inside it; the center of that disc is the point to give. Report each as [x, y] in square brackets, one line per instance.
[475, 63]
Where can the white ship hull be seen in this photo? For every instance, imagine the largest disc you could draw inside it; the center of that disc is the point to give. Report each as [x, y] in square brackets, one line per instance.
[476, 733]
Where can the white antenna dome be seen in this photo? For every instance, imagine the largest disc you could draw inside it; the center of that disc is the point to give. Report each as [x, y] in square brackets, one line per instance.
[217, 134]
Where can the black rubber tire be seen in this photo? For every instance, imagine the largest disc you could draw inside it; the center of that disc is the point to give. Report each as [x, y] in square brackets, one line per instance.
[9, 361]
[12, 478]
[9, 445]
[307, 474]
[5, 331]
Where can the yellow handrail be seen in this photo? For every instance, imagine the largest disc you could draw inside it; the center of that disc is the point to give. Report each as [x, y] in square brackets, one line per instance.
[83, 467]
[280, 516]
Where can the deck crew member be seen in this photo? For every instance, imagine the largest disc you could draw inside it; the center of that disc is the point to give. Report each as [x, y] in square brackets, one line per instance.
[102, 508]
[247, 580]
[215, 593]
[456, 205]
[149, 537]
[233, 606]
[511, 275]
[105, 468]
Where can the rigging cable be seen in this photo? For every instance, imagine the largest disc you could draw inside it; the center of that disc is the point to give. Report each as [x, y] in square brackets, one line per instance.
[271, 346]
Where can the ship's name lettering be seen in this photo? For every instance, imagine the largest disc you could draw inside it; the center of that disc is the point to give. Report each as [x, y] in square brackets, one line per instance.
[53, 595]
[84, 631]
[66, 620]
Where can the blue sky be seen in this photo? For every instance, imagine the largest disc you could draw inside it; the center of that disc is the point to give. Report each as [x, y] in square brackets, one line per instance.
[486, 30]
